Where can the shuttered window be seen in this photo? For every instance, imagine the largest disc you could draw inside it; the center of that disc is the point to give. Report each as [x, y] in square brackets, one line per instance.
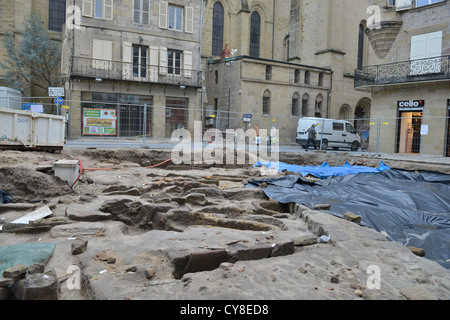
[426, 51]
[141, 12]
[189, 25]
[102, 54]
[102, 9]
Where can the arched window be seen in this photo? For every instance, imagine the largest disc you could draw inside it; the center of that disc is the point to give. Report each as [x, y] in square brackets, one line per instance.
[268, 73]
[319, 103]
[297, 76]
[218, 26]
[361, 46]
[320, 82]
[307, 77]
[295, 104]
[286, 48]
[305, 102]
[255, 34]
[266, 102]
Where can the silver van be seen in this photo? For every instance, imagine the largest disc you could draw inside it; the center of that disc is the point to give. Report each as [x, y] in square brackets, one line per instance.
[330, 133]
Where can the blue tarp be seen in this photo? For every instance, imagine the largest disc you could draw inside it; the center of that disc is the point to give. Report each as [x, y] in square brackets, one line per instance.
[325, 170]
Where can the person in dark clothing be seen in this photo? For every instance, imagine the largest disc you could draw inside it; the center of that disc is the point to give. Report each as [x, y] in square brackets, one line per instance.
[311, 137]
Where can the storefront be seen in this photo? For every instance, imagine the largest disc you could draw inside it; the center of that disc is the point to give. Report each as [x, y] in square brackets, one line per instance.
[117, 115]
[409, 126]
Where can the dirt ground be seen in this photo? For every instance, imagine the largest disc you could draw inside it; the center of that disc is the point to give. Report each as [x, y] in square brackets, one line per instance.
[195, 232]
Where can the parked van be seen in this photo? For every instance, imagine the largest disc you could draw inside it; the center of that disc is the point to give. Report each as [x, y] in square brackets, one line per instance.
[330, 133]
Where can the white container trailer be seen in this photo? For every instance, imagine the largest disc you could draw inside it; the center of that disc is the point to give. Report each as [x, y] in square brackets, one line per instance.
[10, 98]
[28, 130]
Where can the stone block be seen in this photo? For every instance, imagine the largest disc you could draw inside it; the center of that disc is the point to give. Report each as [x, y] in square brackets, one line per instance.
[15, 272]
[283, 249]
[205, 261]
[42, 286]
[79, 246]
[254, 253]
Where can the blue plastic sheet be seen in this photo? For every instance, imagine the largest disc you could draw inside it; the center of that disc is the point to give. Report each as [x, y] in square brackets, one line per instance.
[325, 170]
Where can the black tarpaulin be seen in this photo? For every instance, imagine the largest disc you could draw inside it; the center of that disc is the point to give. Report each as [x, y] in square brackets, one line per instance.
[412, 208]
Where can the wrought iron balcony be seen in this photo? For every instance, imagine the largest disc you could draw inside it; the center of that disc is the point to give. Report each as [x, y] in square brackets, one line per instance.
[431, 69]
[114, 70]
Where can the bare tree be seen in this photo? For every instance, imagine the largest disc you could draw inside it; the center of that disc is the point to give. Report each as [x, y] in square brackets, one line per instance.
[35, 60]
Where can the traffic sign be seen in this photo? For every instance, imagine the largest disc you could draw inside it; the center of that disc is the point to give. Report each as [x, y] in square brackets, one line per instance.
[247, 117]
[59, 100]
[56, 91]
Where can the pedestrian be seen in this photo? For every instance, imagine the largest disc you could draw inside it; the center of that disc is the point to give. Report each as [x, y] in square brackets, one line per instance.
[311, 136]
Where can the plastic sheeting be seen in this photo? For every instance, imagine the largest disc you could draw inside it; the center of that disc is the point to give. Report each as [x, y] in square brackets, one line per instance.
[5, 197]
[26, 254]
[408, 207]
[324, 171]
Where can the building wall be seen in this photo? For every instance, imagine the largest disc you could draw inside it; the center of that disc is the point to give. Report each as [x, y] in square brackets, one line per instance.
[435, 116]
[241, 85]
[122, 32]
[237, 25]
[385, 110]
[13, 16]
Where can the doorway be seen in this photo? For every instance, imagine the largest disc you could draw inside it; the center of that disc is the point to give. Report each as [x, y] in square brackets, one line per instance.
[409, 132]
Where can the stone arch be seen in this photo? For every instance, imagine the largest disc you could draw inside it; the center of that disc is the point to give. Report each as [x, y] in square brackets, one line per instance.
[345, 112]
[266, 101]
[318, 106]
[305, 105]
[362, 114]
[262, 10]
[295, 104]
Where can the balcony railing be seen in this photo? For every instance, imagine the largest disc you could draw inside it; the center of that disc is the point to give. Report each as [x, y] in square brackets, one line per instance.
[431, 69]
[114, 70]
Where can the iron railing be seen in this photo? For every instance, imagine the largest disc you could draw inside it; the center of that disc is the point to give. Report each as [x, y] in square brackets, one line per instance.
[115, 70]
[431, 69]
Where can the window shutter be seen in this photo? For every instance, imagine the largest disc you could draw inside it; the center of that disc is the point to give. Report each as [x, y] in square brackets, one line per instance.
[137, 11]
[127, 65]
[163, 8]
[189, 20]
[163, 60]
[146, 12]
[87, 8]
[434, 44]
[102, 54]
[403, 4]
[187, 57]
[108, 9]
[418, 47]
[154, 62]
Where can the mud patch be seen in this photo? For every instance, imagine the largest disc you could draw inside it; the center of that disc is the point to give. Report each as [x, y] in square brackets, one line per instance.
[27, 184]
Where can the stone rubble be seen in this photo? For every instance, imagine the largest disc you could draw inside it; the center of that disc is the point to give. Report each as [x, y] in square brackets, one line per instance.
[154, 234]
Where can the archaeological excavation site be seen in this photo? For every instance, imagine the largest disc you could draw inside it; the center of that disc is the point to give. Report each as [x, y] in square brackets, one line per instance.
[129, 224]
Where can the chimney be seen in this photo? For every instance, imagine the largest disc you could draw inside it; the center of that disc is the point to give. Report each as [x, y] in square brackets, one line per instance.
[226, 53]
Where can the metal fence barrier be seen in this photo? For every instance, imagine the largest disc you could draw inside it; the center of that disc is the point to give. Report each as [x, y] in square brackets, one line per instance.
[412, 133]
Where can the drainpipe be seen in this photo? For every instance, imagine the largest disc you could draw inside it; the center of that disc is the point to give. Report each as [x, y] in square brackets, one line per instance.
[273, 30]
[328, 94]
[200, 73]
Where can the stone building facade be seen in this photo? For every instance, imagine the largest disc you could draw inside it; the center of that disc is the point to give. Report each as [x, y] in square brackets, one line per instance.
[305, 34]
[13, 16]
[248, 92]
[409, 77]
[137, 59]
